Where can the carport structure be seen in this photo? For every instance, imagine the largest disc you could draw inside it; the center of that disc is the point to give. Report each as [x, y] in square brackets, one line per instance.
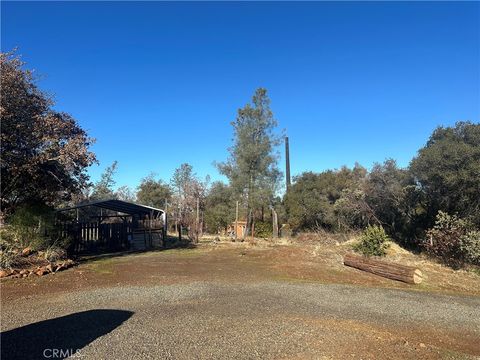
[112, 225]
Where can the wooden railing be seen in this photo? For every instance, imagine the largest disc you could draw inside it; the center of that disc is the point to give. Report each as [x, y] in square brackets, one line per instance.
[95, 237]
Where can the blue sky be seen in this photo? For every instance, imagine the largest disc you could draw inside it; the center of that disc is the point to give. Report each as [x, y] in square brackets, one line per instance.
[158, 83]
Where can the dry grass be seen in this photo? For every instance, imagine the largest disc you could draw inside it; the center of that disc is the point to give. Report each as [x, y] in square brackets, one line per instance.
[316, 260]
[324, 237]
[319, 257]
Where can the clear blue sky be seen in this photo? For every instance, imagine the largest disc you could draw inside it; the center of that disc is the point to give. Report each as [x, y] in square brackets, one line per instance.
[157, 84]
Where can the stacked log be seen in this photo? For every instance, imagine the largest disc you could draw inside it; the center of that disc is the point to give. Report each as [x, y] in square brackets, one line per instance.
[51, 268]
[398, 272]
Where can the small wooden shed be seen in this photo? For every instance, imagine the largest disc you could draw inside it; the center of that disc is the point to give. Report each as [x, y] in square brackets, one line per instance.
[112, 225]
[237, 228]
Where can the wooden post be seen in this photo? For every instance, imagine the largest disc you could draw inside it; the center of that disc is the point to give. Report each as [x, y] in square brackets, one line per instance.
[236, 222]
[165, 224]
[150, 224]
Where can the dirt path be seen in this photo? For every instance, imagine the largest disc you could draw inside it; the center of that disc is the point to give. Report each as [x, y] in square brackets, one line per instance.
[230, 303]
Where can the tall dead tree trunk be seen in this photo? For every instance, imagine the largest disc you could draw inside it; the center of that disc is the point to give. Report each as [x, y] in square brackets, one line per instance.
[274, 224]
[197, 221]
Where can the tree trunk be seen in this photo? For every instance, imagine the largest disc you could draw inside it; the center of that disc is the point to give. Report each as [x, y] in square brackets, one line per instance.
[398, 272]
[236, 221]
[253, 227]
[197, 222]
[176, 221]
[248, 224]
[249, 207]
[275, 224]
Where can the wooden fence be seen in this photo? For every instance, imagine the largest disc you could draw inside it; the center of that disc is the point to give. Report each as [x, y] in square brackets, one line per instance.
[95, 237]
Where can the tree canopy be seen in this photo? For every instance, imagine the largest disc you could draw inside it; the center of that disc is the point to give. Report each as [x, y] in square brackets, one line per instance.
[219, 207]
[252, 168]
[104, 188]
[45, 153]
[310, 200]
[447, 170]
[443, 177]
[154, 192]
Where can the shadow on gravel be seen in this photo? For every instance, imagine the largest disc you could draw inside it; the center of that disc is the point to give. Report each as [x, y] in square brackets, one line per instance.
[60, 337]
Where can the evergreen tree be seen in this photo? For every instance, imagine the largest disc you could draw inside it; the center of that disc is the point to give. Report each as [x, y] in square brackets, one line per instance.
[252, 166]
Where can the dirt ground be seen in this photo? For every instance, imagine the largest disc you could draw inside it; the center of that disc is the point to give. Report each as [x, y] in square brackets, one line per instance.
[263, 267]
[249, 261]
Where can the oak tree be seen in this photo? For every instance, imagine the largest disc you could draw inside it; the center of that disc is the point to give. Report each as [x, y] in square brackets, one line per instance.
[45, 153]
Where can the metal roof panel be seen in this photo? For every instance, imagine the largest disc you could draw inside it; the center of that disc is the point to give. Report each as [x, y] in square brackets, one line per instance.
[118, 205]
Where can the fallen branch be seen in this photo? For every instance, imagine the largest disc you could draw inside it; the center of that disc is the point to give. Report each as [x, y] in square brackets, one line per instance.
[398, 272]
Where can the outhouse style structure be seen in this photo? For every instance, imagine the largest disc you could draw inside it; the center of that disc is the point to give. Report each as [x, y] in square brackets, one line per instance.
[237, 228]
[112, 225]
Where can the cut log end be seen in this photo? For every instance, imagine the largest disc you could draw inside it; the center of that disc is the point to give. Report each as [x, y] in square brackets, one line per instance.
[417, 276]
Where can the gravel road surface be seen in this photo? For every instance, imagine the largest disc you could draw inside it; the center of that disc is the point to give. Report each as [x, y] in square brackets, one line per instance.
[213, 320]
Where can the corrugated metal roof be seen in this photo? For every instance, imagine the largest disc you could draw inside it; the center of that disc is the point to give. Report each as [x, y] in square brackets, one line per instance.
[120, 206]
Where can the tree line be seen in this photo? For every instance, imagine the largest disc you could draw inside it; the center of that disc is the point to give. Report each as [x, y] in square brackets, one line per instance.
[46, 155]
[444, 178]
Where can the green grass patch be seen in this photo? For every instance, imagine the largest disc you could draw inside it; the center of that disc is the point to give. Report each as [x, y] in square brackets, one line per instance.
[179, 252]
[476, 270]
[102, 266]
[453, 355]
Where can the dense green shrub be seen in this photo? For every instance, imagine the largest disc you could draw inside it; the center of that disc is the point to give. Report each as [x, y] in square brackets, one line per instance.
[451, 241]
[373, 242]
[470, 247]
[310, 201]
[33, 226]
[29, 224]
[263, 229]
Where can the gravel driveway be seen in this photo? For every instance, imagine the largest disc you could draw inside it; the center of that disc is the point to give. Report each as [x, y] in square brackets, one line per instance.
[214, 320]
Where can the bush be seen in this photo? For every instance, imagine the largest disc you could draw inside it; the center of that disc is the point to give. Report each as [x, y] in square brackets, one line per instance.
[30, 224]
[8, 259]
[451, 241]
[470, 247]
[9, 255]
[263, 229]
[33, 226]
[373, 241]
[54, 253]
